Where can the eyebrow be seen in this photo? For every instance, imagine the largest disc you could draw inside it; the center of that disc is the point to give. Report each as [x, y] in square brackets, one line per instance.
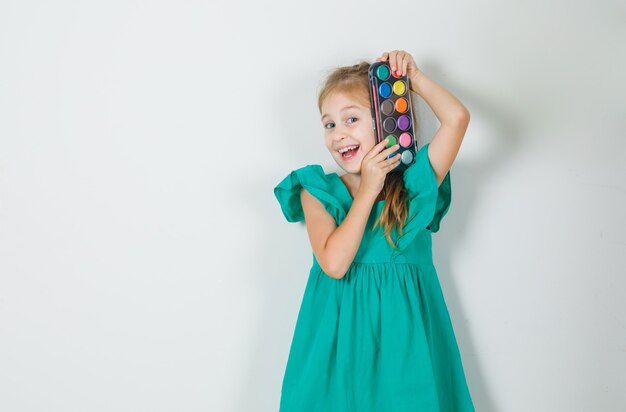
[343, 110]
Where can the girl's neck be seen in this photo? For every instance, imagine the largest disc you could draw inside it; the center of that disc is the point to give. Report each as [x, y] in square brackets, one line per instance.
[353, 182]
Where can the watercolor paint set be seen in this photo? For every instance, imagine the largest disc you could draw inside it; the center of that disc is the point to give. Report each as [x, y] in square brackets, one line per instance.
[392, 112]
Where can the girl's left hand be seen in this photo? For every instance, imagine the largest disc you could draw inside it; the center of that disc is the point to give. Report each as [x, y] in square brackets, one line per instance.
[401, 62]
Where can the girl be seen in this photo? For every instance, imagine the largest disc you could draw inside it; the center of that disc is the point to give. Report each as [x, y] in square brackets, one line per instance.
[373, 332]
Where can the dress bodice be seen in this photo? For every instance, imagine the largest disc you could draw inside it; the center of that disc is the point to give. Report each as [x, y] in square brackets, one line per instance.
[428, 203]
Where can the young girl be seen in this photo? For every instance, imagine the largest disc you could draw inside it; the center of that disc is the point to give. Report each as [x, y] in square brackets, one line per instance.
[373, 332]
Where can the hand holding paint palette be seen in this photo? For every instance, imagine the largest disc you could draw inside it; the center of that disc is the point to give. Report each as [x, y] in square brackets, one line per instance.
[392, 112]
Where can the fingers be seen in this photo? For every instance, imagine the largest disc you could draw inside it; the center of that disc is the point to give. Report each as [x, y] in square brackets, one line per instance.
[404, 64]
[393, 60]
[390, 149]
[380, 149]
[398, 60]
[381, 145]
[379, 156]
[401, 60]
[383, 154]
[392, 162]
[376, 149]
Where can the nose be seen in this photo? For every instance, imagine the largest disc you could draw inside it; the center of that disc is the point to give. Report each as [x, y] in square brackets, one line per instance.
[339, 138]
[340, 132]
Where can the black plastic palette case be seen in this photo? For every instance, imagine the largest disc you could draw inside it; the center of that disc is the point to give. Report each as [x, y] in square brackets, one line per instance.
[392, 112]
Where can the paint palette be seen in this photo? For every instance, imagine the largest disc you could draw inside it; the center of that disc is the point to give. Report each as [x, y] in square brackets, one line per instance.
[392, 112]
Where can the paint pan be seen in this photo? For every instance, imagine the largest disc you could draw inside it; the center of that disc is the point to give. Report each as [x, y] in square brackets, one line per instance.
[392, 112]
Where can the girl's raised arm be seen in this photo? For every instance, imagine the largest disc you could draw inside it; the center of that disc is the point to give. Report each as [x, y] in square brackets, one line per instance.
[454, 119]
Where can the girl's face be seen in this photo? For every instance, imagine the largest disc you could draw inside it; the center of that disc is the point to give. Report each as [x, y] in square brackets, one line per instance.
[347, 124]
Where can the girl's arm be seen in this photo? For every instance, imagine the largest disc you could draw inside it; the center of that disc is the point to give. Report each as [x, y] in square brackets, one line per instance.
[335, 246]
[454, 119]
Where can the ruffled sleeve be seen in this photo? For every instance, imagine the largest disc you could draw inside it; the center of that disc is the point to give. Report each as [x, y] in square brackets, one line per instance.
[316, 182]
[428, 204]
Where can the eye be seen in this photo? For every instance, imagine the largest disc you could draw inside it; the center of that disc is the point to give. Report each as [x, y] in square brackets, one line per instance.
[326, 126]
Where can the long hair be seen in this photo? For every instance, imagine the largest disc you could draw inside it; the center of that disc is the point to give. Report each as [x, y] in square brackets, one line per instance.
[353, 81]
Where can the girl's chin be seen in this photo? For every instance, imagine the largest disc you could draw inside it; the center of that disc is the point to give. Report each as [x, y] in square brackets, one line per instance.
[351, 167]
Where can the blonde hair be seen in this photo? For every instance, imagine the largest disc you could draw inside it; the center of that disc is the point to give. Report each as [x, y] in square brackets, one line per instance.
[353, 81]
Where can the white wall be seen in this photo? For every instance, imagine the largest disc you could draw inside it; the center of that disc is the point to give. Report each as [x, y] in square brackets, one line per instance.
[144, 261]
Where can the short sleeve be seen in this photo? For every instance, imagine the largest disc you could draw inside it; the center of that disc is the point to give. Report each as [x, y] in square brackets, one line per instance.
[428, 204]
[316, 182]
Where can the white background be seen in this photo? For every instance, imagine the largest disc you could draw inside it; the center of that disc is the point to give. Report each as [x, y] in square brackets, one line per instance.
[144, 261]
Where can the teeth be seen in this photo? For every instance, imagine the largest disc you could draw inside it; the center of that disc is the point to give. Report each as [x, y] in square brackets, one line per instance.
[345, 149]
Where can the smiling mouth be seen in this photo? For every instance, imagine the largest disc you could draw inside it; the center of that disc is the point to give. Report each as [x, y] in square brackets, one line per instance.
[350, 153]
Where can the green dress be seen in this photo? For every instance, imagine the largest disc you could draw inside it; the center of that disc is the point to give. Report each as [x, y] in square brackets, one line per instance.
[379, 339]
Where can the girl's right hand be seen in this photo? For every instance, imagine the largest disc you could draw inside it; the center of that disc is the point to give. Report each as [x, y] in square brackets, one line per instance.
[375, 166]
